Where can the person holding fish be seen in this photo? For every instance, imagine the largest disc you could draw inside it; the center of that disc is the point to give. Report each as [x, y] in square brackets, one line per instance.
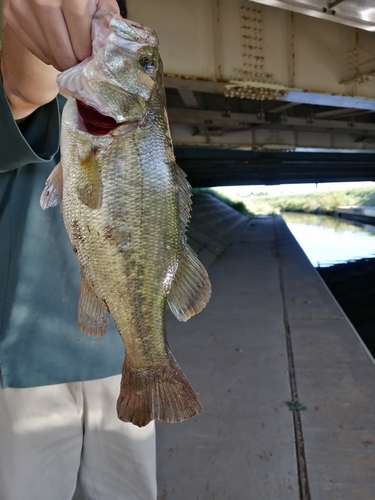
[58, 390]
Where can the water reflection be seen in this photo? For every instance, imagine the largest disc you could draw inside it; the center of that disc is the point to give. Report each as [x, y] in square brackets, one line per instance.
[329, 240]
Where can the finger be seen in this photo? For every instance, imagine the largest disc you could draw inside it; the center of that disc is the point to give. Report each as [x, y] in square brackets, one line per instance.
[61, 52]
[29, 43]
[69, 41]
[109, 5]
[14, 20]
[78, 17]
[31, 23]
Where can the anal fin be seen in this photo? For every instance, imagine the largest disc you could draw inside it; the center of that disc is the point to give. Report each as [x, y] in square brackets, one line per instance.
[191, 287]
[93, 314]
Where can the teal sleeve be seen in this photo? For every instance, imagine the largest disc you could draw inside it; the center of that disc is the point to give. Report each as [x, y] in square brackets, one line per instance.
[36, 140]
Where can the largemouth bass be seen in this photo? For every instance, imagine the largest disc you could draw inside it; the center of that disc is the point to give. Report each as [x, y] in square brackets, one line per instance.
[126, 205]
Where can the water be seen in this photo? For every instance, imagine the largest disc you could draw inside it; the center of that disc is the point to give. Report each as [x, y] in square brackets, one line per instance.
[329, 240]
[344, 255]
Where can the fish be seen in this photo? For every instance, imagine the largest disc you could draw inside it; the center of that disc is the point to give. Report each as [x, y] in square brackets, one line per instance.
[126, 206]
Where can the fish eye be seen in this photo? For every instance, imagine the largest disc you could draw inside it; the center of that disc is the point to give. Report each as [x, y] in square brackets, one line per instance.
[147, 64]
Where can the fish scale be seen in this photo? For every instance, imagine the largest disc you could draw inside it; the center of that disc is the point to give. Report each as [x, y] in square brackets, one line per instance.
[126, 205]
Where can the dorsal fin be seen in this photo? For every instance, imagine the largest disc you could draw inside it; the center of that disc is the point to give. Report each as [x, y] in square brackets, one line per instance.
[184, 196]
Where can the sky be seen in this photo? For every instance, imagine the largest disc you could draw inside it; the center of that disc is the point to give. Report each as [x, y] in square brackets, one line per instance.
[291, 188]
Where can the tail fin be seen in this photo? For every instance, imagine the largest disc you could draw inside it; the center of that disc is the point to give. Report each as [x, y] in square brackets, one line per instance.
[160, 393]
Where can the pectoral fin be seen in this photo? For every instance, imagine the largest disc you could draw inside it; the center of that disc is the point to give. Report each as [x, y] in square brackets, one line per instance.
[191, 288]
[93, 314]
[90, 188]
[52, 192]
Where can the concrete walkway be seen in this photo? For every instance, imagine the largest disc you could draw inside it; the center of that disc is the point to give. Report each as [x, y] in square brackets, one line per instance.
[272, 339]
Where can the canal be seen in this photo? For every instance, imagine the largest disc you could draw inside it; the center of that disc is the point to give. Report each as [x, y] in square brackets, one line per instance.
[344, 255]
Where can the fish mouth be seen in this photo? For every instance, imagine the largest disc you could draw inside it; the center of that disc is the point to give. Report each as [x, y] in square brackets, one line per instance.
[95, 122]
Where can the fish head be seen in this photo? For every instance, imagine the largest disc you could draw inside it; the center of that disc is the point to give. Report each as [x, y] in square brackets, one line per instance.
[123, 73]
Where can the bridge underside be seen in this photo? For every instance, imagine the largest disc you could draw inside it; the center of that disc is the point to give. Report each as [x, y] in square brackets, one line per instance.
[214, 167]
[262, 94]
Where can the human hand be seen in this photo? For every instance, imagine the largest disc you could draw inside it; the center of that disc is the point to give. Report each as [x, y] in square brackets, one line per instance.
[58, 32]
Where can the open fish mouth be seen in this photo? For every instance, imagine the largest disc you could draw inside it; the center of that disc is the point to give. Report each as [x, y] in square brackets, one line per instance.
[95, 122]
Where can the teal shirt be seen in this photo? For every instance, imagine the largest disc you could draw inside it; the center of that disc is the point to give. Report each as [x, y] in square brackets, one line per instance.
[40, 342]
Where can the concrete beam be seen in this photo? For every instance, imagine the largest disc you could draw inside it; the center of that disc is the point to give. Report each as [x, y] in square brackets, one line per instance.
[246, 44]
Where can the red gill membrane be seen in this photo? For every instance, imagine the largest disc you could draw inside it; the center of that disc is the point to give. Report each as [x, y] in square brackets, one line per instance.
[95, 122]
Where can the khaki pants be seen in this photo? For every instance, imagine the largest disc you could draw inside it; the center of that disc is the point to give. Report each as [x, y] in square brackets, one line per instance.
[52, 436]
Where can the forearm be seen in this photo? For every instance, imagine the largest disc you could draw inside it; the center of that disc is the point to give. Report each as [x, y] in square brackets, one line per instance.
[28, 82]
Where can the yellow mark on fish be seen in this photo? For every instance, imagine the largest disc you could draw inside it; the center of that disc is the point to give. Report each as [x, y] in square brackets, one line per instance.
[90, 189]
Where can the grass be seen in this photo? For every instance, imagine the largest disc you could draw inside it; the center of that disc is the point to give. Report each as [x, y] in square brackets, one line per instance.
[238, 205]
[325, 202]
